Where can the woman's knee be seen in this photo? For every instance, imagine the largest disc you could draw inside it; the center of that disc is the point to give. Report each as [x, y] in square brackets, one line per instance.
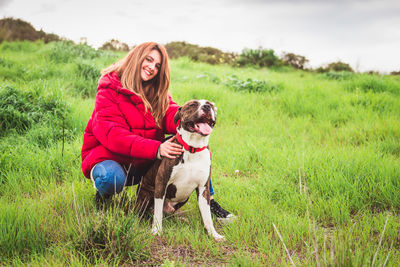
[109, 177]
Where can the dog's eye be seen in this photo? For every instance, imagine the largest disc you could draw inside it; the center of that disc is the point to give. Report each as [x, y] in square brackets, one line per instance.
[193, 105]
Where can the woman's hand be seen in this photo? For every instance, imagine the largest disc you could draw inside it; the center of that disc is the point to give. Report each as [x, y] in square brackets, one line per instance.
[169, 149]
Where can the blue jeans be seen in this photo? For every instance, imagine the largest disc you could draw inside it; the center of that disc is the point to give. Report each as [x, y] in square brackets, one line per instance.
[110, 178]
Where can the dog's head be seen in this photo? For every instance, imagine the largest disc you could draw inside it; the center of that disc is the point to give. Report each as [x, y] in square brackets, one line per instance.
[197, 116]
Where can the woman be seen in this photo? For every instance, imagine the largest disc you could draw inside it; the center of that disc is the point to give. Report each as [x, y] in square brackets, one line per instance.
[133, 112]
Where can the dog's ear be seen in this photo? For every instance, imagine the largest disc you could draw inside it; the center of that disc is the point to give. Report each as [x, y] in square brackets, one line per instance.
[177, 115]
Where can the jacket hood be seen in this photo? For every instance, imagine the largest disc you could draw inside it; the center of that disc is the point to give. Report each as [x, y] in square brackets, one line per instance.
[112, 81]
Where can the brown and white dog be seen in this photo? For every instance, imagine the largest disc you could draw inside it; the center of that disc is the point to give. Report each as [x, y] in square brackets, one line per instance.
[169, 183]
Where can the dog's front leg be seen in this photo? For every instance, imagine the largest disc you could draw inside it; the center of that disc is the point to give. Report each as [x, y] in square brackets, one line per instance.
[160, 186]
[158, 215]
[204, 206]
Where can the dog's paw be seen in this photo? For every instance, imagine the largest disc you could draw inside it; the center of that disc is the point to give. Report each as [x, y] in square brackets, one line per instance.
[156, 230]
[219, 238]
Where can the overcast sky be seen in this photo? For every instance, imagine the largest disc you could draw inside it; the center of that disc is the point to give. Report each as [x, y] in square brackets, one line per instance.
[365, 34]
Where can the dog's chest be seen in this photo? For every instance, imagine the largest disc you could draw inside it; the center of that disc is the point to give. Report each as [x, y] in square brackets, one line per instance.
[193, 171]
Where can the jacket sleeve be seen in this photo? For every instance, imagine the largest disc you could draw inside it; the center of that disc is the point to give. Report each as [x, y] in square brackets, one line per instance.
[111, 129]
[169, 125]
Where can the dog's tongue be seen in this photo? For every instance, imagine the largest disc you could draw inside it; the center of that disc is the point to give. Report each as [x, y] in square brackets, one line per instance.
[203, 128]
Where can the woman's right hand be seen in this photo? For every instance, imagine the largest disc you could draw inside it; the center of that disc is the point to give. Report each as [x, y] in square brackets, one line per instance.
[170, 149]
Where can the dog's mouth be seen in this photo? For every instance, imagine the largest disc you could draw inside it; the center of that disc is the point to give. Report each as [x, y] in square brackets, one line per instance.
[204, 125]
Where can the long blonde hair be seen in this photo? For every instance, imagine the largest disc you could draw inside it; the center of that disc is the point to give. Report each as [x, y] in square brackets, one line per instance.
[128, 68]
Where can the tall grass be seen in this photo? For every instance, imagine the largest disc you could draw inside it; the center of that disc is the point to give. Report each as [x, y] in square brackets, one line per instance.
[313, 157]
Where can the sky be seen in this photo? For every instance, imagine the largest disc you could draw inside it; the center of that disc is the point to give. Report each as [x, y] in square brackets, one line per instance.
[362, 33]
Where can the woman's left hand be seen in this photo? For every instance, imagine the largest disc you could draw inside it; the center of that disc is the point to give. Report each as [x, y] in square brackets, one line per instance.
[170, 149]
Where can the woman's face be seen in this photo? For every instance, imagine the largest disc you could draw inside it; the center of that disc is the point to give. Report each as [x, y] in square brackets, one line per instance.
[151, 65]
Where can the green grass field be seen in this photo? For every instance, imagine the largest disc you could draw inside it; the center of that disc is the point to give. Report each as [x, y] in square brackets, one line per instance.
[308, 162]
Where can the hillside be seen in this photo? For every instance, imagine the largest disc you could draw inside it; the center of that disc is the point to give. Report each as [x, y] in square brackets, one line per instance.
[309, 162]
[18, 30]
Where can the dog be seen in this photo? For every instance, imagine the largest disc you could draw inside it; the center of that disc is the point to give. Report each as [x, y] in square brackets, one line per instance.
[169, 183]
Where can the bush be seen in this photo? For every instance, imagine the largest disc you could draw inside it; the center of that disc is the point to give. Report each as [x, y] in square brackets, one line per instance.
[395, 73]
[296, 61]
[340, 66]
[251, 85]
[208, 55]
[115, 45]
[258, 57]
[67, 51]
[86, 82]
[87, 71]
[335, 66]
[20, 110]
[12, 119]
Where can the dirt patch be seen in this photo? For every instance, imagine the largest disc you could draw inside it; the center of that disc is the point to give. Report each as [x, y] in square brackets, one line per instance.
[161, 250]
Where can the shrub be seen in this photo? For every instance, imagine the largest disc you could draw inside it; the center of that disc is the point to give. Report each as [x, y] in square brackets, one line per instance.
[11, 118]
[335, 66]
[296, 61]
[395, 73]
[20, 110]
[197, 53]
[115, 45]
[67, 51]
[321, 70]
[258, 57]
[87, 71]
[251, 85]
[339, 66]
[87, 77]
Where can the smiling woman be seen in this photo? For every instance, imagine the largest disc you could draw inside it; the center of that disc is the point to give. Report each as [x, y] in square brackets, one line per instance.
[151, 65]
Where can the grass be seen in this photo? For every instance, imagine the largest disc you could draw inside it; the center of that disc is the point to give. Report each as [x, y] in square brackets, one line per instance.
[308, 162]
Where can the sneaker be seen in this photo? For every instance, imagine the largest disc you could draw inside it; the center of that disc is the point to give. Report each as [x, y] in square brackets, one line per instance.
[222, 215]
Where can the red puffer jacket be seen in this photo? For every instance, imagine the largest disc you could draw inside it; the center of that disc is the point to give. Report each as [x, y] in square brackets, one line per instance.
[120, 129]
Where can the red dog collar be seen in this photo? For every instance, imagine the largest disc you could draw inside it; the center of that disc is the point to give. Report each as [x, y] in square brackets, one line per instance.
[187, 147]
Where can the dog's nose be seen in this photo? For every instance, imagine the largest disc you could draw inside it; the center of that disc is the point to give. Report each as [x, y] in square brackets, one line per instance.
[206, 107]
